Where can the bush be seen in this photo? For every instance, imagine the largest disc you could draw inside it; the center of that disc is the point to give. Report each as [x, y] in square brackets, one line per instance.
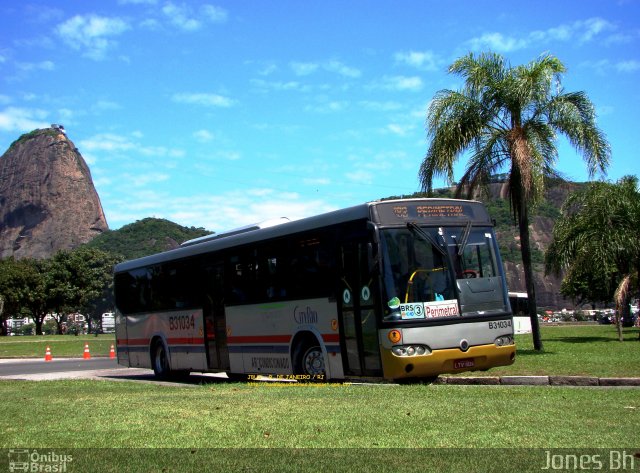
[50, 327]
[26, 329]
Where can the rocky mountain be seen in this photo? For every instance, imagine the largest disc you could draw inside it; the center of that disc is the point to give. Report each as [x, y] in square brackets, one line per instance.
[47, 198]
[541, 229]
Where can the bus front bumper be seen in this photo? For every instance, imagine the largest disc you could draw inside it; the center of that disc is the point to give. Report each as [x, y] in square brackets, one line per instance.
[446, 361]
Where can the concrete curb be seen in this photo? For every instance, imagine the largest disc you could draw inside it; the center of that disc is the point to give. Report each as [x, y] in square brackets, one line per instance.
[538, 381]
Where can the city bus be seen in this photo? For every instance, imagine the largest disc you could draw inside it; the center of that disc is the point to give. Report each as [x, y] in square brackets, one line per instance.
[396, 289]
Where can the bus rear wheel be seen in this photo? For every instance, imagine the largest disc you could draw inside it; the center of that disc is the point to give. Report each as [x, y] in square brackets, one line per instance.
[160, 361]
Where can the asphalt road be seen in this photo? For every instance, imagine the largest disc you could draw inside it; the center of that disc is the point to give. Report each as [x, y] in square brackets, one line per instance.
[94, 368]
[32, 367]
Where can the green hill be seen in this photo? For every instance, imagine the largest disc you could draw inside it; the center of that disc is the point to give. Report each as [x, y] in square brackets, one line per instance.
[145, 237]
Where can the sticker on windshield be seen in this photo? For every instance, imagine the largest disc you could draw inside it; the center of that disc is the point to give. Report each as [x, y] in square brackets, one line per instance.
[413, 310]
[394, 303]
[448, 308]
[365, 293]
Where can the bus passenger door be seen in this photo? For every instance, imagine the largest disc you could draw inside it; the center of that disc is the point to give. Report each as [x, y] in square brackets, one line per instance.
[359, 341]
[214, 317]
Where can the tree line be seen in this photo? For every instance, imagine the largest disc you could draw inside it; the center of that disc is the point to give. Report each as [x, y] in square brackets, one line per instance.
[71, 281]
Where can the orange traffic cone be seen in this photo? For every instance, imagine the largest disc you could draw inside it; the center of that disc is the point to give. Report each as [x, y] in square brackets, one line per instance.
[86, 355]
[112, 352]
[47, 355]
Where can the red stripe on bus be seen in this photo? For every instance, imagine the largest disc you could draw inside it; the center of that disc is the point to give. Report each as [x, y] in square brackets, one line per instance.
[172, 341]
[133, 341]
[328, 338]
[186, 341]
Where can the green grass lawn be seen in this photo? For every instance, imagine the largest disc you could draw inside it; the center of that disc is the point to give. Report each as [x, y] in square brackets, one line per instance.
[285, 417]
[82, 414]
[62, 346]
[575, 350]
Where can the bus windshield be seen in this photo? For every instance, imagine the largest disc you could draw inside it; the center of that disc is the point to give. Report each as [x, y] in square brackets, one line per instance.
[433, 272]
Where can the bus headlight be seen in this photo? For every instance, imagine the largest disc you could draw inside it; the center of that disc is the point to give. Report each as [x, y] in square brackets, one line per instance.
[504, 340]
[410, 350]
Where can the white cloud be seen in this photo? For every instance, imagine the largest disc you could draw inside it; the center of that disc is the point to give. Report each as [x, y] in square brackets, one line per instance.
[337, 67]
[588, 29]
[218, 212]
[105, 105]
[604, 66]
[137, 2]
[181, 16]
[65, 116]
[15, 119]
[214, 14]
[342, 69]
[267, 86]
[91, 33]
[143, 179]
[204, 99]
[360, 176]
[185, 18]
[388, 106]
[497, 42]
[423, 60]
[117, 144]
[107, 142]
[400, 83]
[581, 31]
[203, 136]
[317, 181]
[328, 107]
[628, 66]
[303, 68]
[400, 130]
[31, 66]
[228, 155]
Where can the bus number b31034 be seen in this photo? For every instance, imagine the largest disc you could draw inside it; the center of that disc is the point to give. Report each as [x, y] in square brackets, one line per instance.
[182, 322]
[499, 324]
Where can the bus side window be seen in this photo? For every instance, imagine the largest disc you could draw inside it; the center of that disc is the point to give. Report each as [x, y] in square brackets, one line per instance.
[273, 281]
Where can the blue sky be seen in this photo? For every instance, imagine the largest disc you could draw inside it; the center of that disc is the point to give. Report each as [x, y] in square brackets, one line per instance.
[223, 113]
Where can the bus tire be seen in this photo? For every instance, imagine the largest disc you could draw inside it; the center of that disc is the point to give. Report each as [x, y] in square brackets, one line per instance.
[309, 359]
[160, 361]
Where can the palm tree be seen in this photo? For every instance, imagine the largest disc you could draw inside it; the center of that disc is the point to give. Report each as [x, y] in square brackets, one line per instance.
[507, 119]
[598, 238]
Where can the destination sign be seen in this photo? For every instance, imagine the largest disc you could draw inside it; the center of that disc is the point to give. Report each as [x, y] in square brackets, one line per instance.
[431, 211]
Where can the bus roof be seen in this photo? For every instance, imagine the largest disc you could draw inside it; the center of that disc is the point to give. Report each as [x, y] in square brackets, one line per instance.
[387, 212]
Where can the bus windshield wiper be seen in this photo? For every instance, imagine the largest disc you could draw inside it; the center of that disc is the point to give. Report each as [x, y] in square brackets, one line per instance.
[465, 238]
[426, 237]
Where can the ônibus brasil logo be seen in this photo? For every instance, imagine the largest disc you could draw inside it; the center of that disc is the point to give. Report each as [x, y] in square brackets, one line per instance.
[38, 461]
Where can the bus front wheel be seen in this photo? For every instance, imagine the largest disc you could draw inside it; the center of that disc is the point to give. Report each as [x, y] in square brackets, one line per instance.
[309, 359]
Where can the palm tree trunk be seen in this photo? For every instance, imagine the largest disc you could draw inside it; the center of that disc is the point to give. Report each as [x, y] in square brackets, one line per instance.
[525, 249]
[622, 299]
